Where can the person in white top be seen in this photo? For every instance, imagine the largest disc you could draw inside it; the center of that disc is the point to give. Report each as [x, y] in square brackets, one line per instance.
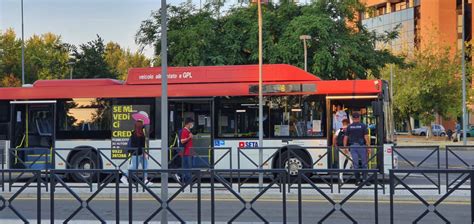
[338, 117]
[343, 153]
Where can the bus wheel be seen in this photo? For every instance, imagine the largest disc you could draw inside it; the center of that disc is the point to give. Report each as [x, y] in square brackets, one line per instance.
[84, 161]
[293, 162]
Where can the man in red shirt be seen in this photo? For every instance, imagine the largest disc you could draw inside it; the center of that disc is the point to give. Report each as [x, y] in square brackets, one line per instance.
[186, 140]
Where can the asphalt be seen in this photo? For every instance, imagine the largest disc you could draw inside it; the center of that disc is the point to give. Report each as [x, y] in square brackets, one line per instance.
[315, 206]
[272, 211]
[456, 208]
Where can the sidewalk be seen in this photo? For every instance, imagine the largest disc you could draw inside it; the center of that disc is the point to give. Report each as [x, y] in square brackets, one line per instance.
[273, 194]
[410, 140]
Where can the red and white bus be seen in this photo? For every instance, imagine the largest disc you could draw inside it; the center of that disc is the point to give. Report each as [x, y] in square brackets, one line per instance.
[299, 110]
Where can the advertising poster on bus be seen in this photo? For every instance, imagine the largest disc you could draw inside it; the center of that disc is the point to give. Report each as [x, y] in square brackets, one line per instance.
[123, 121]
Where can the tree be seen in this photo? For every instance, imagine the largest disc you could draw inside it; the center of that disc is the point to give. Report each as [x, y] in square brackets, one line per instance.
[90, 61]
[46, 56]
[341, 47]
[120, 60]
[114, 56]
[10, 54]
[10, 81]
[430, 85]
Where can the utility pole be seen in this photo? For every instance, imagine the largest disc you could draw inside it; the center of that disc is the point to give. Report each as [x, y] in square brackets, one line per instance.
[260, 94]
[164, 112]
[463, 55]
[71, 65]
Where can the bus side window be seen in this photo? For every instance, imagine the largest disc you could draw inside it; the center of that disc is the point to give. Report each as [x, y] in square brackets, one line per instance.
[297, 116]
[85, 118]
[238, 117]
[4, 120]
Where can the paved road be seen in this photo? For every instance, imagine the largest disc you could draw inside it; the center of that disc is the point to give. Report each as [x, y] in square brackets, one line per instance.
[419, 155]
[427, 158]
[416, 156]
[314, 210]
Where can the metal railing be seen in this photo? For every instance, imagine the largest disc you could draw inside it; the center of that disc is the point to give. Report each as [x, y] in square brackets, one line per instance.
[7, 201]
[309, 185]
[431, 207]
[374, 162]
[111, 178]
[433, 153]
[371, 178]
[249, 204]
[164, 206]
[458, 157]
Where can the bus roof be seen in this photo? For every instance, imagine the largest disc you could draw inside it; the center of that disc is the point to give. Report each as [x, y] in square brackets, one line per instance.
[219, 74]
[203, 81]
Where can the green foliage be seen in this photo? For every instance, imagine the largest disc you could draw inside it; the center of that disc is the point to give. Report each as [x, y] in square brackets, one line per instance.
[120, 60]
[90, 61]
[429, 85]
[340, 47]
[47, 57]
[10, 54]
[10, 81]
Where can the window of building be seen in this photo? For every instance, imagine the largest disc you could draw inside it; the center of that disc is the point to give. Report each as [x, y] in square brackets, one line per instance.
[85, 118]
[380, 11]
[459, 22]
[400, 6]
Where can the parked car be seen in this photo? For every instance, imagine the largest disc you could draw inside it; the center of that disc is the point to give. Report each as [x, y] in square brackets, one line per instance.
[470, 132]
[436, 130]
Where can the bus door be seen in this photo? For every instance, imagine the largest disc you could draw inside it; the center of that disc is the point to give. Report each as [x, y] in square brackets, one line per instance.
[32, 128]
[201, 111]
[340, 107]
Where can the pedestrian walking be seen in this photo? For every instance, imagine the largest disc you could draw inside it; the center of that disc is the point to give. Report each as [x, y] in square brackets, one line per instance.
[186, 140]
[137, 143]
[357, 138]
[458, 131]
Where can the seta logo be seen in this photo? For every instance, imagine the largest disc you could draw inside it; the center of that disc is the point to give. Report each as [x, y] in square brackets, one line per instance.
[248, 144]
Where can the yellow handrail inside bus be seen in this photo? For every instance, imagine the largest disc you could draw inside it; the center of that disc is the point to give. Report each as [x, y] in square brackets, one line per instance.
[27, 128]
[333, 149]
[18, 146]
[172, 146]
[370, 154]
[51, 154]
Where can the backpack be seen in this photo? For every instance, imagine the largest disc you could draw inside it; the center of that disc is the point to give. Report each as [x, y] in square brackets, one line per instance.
[177, 140]
[180, 145]
[340, 137]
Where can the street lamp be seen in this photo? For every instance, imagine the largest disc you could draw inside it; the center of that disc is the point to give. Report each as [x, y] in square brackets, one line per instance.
[304, 38]
[71, 65]
[22, 47]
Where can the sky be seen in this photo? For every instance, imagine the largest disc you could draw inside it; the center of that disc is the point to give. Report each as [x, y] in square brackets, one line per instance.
[79, 21]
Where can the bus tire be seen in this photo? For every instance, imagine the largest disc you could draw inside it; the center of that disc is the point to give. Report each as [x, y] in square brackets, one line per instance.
[84, 160]
[292, 162]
